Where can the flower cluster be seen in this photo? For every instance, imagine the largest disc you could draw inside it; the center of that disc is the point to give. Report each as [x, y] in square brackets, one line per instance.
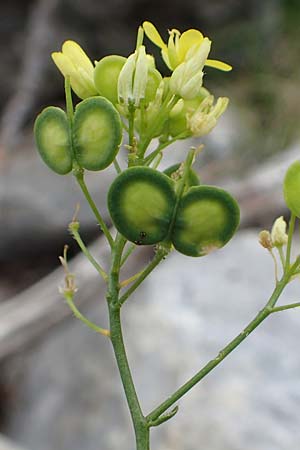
[177, 106]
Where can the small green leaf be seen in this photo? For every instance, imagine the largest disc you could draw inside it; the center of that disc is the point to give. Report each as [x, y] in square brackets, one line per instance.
[141, 201]
[52, 136]
[106, 75]
[207, 218]
[291, 188]
[97, 133]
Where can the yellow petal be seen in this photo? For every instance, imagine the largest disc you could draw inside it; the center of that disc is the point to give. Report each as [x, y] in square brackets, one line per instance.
[77, 55]
[63, 63]
[218, 65]
[152, 34]
[188, 39]
[172, 54]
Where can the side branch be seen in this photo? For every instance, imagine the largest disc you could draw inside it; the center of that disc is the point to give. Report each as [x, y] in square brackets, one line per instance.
[261, 316]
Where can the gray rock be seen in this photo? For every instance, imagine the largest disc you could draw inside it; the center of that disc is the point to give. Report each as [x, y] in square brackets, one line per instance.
[69, 393]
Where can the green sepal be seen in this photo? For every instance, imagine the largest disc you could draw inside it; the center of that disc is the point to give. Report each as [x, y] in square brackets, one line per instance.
[192, 178]
[97, 133]
[141, 202]
[206, 219]
[106, 75]
[52, 137]
[291, 188]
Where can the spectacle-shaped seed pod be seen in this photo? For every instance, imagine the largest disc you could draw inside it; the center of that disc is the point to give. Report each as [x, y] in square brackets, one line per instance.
[52, 136]
[154, 79]
[97, 133]
[291, 188]
[192, 179]
[106, 75]
[141, 202]
[207, 218]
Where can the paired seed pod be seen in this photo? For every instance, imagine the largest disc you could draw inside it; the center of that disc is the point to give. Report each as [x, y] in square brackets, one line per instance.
[142, 203]
[291, 188]
[94, 141]
[206, 219]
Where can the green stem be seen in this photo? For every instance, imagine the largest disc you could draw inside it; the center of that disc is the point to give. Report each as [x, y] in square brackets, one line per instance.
[85, 251]
[285, 307]
[261, 316]
[117, 166]
[162, 146]
[155, 261]
[167, 105]
[140, 424]
[289, 243]
[128, 252]
[81, 182]
[69, 298]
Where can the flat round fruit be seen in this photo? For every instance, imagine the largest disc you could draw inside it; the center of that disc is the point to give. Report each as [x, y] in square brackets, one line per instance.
[106, 75]
[206, 219]
[141, 202]
[291, 188]
[52, 136]
[97, 133]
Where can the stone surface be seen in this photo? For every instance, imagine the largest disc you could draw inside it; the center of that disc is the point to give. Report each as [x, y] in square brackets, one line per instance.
[68, 390]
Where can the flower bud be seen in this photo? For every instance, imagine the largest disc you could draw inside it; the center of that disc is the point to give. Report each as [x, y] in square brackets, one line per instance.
[72, 61]
[133, 78]
[278, 232]
[265, 239]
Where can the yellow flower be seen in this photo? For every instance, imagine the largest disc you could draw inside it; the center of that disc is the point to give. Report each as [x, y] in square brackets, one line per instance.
[72, 61]
[180, 47]
[186, 80]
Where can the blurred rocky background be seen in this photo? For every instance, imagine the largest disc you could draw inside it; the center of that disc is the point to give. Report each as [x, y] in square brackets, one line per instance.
[59, 388]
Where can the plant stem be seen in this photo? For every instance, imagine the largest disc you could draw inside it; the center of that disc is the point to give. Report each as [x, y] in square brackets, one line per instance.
[81, 182]
[289, 243]
[140, 424]
[86, 252]
[261, 316]
[155, 261]
[285, 307]
[69, 299]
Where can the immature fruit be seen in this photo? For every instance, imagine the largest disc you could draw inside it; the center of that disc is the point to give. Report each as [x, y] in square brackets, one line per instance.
[106, 75]
[154, 79]
[192, 179]
[207, 218]
[97, 133]
[52, 136]
[141, 202]
[291, 188]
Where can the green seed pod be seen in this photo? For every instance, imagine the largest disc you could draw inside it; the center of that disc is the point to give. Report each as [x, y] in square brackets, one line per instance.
[291, 188]
[207, 218]
[192, 179]
[52, 136]
[106, 75]
[141, 203]
[154, 79]
[97, 133]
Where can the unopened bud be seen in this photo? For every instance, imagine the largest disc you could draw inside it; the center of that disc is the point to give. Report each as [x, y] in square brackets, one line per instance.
[278, 233]
[265, 239]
